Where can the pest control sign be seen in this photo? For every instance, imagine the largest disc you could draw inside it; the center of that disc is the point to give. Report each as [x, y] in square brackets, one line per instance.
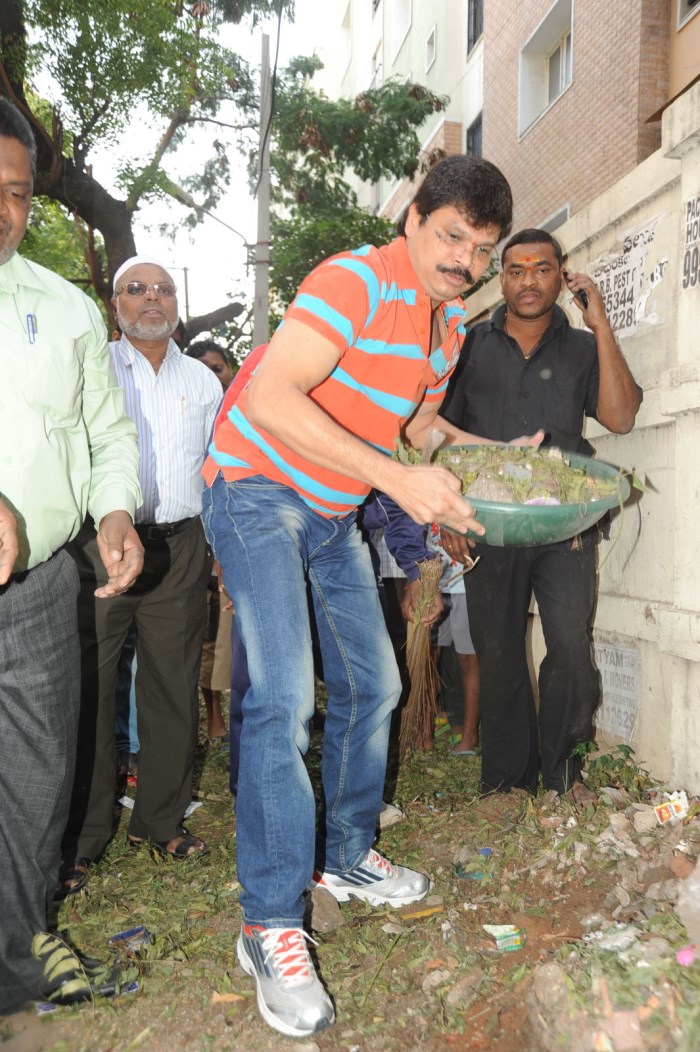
[626, 277]
[690, 274]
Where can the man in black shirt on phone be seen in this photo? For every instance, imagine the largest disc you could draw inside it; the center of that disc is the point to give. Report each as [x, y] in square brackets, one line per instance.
[527, 368]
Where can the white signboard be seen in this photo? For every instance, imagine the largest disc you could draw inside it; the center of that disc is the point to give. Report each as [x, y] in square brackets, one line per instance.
[619, 672]
[690, 274]
[625, 279]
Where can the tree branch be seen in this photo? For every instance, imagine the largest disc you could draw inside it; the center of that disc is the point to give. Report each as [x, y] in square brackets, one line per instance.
[176, 121]
[221, 124]
[80, 142]
[206, 322]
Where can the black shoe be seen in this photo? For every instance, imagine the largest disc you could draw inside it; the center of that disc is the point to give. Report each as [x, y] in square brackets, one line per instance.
[72, 877]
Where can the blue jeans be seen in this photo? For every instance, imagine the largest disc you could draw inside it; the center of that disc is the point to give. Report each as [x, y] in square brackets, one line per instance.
[273, 548]
[125, 701]
[240, 685]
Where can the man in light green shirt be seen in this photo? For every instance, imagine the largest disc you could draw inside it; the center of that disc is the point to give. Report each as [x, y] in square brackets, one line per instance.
[66, 448]
[66, 442]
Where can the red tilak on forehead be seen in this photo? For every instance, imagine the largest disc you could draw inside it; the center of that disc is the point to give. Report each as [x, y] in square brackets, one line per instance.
[529, 259]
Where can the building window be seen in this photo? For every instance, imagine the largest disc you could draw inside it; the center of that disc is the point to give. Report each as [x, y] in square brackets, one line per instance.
[345, 49]
[559, 68]
[430, 49]
[475, 22]
[376, 78]
[474, 138]
[556, 219]
[399, 24]
[546, 64]
[686, 9]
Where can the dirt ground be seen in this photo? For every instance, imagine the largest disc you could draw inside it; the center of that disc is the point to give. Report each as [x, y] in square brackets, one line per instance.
[591, 888]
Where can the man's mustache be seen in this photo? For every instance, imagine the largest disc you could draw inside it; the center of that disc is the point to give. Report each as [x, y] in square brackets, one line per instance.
[459, 272]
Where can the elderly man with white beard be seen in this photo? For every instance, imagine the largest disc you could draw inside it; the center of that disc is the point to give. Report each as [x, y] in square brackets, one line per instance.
[173, 400]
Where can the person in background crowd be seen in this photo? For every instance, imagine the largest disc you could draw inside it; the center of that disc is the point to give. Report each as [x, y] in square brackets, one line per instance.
[215, 357]
[215, 670]
[455, 648]
[173, 402]
[126, 719]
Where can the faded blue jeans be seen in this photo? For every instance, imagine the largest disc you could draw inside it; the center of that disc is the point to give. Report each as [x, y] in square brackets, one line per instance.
[275, 551]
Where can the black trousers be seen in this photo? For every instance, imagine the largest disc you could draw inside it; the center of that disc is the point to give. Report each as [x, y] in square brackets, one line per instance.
[516, 738]
[39, 702]
[168, 606]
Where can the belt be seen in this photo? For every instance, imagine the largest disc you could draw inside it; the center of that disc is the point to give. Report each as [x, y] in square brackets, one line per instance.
[157, 531]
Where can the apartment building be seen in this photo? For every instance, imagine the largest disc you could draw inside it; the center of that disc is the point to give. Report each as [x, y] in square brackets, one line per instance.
[565, 97]
[424, 42]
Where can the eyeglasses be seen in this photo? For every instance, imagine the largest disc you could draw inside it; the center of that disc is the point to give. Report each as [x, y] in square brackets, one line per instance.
[163, 289]
[482, 254]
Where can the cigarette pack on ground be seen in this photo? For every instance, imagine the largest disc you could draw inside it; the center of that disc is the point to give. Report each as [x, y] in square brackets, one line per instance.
[134, 939]
[507, 936]
[673, 807]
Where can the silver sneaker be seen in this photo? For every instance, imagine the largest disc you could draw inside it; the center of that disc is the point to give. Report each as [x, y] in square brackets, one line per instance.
[377, 881]
[291, 997]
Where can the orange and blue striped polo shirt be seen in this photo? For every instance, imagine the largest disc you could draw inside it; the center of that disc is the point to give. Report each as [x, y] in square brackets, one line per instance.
[369, 303]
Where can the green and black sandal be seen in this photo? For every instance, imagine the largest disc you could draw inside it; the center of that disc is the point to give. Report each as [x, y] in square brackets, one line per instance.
[71, 978]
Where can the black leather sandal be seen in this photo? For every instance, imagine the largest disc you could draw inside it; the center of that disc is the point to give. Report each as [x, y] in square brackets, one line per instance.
[186, 844]
[72, 877]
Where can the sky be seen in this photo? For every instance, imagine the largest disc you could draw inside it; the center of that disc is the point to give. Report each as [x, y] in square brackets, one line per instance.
[213, 254]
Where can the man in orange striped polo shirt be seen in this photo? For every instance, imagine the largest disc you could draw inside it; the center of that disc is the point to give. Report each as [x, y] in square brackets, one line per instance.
[362, 356]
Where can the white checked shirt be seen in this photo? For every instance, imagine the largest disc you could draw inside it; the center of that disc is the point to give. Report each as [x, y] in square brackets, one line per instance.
[174, 411]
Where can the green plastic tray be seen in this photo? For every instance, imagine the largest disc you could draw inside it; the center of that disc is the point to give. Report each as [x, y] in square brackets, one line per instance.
[525, 525]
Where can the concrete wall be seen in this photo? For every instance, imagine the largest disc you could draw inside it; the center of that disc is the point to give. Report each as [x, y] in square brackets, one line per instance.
[641, 240]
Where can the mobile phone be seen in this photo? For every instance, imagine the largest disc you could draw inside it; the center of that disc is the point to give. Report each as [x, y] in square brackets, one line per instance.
[581, 296]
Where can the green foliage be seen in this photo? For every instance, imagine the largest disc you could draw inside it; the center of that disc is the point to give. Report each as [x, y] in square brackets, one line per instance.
[121, 64]
[316, 139]
[616, 768]
[235, 335]
[58, 241]
[301, 241]
[145, 80]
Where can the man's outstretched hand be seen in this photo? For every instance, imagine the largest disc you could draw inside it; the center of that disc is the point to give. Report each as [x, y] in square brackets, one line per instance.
[432, 494]
[528, 440]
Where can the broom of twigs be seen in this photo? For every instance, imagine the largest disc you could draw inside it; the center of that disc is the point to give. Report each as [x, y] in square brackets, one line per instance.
[418, 716]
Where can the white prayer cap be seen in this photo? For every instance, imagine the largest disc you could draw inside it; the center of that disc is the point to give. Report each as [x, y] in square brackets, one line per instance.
[133, 261]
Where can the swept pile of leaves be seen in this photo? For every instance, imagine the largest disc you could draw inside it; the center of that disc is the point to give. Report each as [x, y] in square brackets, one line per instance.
[514, 475]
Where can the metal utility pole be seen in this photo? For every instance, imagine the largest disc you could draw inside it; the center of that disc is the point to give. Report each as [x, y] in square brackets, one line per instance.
[187, 294]
[261, 324]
